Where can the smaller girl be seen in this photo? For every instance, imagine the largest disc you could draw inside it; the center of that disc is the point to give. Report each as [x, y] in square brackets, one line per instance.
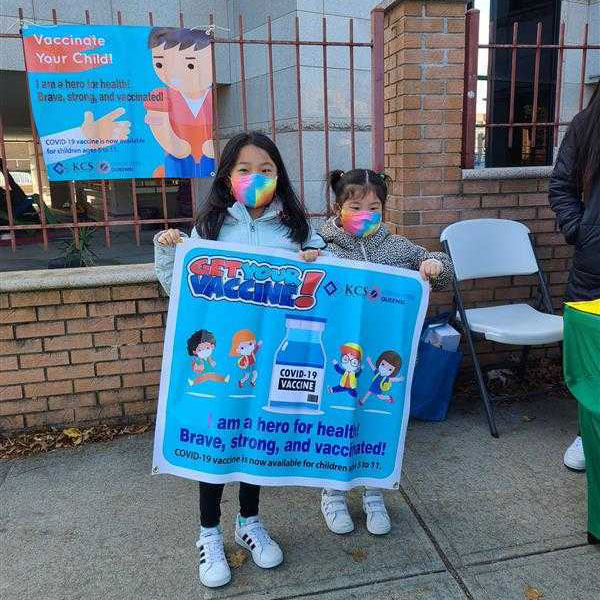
[245, 345]
[356, 232]
[387, 365]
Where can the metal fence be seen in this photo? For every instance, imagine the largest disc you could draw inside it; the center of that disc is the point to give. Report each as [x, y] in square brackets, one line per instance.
[137, 221]
[472, 53]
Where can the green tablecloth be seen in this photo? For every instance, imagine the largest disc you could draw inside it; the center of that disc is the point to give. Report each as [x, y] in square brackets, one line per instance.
[582, 376]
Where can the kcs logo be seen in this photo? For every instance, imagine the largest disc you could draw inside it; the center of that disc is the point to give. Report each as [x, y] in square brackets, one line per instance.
[372, 294]
[83, 166]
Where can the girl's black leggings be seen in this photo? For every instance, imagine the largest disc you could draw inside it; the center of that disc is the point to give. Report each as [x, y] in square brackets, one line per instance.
[210, 502]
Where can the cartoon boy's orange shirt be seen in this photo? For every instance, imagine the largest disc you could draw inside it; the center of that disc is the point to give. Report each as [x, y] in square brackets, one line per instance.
[193, 129]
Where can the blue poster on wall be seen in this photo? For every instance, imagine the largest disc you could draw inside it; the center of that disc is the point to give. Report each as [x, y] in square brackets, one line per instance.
[281, 372]
[113, 101]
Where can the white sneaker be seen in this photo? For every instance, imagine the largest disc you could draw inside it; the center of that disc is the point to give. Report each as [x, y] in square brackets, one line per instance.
[335, 511]
[378, 520]
[214, 570]
[574, 456]
[266, 553]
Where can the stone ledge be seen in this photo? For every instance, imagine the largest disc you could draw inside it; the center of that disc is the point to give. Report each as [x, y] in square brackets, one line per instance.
[390, 4]
[48, 279]
[507, 173]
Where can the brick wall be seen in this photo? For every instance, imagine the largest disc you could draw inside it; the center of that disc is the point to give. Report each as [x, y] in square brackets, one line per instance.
[80, 355]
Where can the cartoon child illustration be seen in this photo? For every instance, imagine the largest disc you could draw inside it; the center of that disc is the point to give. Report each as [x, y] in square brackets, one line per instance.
[245, 345]
[350, 369]
[201, 345]
[180, 114]
[387, 365]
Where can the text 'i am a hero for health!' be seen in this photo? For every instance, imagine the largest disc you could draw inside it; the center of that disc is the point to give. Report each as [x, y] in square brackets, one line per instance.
[244, 280]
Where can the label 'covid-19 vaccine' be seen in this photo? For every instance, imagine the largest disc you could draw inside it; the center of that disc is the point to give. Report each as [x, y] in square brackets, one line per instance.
[299, 367]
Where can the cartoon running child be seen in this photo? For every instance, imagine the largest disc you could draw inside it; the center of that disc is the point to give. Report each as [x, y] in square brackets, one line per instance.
[201, 346]
[387, 365]
[245, 345]
[349, 369]
[180, 114]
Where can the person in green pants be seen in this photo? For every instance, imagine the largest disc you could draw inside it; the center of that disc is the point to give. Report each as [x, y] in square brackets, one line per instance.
[582, 376]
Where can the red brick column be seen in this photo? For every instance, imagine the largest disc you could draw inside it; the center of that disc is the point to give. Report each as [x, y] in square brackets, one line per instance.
[424, 56]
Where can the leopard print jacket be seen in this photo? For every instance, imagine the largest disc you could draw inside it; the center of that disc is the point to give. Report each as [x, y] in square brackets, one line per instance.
[384, 248]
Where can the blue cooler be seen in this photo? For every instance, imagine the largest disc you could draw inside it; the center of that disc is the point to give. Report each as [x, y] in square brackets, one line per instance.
[435, 371]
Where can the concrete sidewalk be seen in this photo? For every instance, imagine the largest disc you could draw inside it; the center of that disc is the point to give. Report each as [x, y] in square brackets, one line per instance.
[476, 518]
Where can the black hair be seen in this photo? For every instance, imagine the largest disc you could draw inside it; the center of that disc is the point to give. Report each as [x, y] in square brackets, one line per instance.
[212, 215]
[200, 337]
[173, 36]
[588, 144]
[357, 183]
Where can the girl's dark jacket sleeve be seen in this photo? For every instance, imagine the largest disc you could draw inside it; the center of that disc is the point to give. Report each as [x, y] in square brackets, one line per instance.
[565, 190]
[578, 215]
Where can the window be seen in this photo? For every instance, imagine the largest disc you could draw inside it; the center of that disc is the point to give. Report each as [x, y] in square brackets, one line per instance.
[528, 146]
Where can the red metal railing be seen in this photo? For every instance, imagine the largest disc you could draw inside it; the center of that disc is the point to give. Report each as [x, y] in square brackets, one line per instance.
[472, 48]
[376, 45]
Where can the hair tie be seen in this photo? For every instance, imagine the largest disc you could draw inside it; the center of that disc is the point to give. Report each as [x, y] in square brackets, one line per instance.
[382, 176]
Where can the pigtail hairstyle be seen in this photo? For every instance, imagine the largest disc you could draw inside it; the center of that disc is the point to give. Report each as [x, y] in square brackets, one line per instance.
[357, 183]
[333, 178]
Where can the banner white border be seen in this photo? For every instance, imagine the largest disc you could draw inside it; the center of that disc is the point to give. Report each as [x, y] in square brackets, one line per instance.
[160, 465]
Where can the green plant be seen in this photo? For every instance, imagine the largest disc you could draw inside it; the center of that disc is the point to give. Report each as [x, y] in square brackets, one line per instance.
[83, 256]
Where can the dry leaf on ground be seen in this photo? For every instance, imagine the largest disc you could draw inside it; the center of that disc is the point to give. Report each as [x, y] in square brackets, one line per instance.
[74, 434]
[359, 555]
[237, 559]
[25, 444]
[532, 593]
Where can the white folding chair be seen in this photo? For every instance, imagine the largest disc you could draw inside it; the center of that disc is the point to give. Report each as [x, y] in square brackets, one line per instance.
[499, 248]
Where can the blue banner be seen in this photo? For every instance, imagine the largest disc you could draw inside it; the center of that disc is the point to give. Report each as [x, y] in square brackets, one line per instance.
[281, 372]
[113, 102]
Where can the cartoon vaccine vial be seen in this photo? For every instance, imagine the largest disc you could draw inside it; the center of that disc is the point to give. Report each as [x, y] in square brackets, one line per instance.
[299, 368]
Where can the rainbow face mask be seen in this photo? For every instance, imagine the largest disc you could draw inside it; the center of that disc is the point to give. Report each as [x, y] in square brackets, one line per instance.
[362, 223]
[254, 190]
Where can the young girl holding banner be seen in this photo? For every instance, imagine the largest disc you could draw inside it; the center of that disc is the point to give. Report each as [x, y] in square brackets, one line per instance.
[251, 201]
[355, 232]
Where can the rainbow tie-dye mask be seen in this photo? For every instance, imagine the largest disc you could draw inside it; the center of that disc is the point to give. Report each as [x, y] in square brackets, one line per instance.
[254, 190]
[362, 223]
